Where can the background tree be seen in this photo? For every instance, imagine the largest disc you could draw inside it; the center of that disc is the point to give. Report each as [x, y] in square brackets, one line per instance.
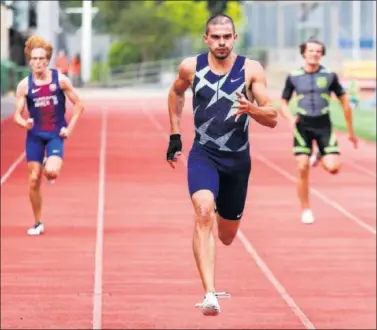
[151, 30]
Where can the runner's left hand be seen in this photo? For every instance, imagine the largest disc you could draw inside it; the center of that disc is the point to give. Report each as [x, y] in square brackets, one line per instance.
[353, 140]
[243, 107]
[174, 149]
[64, 132]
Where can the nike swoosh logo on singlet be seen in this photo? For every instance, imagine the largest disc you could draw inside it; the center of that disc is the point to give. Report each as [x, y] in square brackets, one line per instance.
[35, 90]
[234, 80]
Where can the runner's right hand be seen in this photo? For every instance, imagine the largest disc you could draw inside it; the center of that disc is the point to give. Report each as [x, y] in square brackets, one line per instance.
[353, 140]
[29, 123]
[174, 149]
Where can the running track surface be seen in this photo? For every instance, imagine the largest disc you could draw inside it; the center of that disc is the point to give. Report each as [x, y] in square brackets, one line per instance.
[117, 249]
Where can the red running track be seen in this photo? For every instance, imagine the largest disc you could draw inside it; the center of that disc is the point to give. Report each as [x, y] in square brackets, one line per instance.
[117, 249]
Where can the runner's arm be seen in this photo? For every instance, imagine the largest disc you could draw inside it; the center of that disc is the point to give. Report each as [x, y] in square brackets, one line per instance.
[74, 97]
[265, 113]
[341, 94]
[176, 97]
[20, 104]
[285, 98]
[347, 110]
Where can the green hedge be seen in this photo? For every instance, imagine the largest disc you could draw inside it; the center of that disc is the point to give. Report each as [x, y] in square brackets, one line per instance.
[11, 75]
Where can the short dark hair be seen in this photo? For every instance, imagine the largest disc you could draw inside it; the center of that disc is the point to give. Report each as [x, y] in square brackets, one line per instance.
[312, 40]
[220, 19]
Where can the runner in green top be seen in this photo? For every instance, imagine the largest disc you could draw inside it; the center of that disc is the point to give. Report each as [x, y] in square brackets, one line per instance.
[314, 84]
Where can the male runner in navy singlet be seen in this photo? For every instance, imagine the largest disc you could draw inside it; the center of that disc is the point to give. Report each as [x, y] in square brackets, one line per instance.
[224, 87]
[44, 91]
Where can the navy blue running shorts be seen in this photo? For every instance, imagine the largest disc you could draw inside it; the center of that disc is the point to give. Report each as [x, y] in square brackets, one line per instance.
[225, 174]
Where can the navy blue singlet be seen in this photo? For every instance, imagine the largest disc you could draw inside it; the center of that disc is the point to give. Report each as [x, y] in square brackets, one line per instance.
[214, 118]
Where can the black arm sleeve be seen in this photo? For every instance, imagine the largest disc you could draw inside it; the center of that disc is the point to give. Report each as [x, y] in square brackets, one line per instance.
[336, 87]
[288, 89]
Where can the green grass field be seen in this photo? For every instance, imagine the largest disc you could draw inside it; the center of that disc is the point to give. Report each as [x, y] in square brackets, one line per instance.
[364, 120]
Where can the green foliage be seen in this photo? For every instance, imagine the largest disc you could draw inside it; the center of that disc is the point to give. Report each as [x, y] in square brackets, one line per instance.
[122, 53]
[188, 17]
[110, 12]
[99, 72]
[154, 27]
[11, 74]
[70, 3]
[234, 10]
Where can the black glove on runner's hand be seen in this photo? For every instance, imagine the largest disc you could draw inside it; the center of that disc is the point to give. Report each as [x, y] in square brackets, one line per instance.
[175, 146]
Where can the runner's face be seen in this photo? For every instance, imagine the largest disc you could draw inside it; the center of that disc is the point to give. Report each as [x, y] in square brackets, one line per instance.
[38, 60]
[313, 53]
[220, 39]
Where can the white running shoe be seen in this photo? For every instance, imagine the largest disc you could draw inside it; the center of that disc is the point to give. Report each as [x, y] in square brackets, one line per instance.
[210, 305]
[307, 217]
[37, 229]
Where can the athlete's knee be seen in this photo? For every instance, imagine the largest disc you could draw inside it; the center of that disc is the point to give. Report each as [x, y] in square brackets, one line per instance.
[34, 171]
[34, 181]
[227, 230]
[204, 209]
[204, 214]
[53, 166]
[303, 168]
[303, 164]
[227, 238]
[51, 173]
[331, 163]
[333, 168]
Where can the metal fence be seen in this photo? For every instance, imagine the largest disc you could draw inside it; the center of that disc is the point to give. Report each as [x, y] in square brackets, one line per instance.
[159, 73]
